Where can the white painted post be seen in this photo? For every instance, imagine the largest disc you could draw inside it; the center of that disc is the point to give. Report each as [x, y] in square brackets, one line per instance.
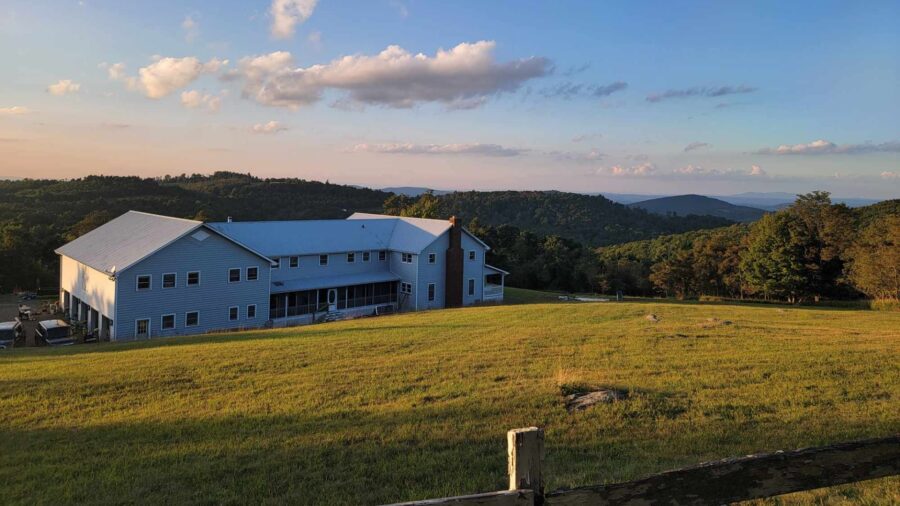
[526, 453]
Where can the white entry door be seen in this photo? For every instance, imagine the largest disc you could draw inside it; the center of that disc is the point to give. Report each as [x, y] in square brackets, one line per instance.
[332, 299]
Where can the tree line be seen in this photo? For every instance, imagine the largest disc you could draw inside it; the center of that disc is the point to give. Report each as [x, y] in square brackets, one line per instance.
[811, 250]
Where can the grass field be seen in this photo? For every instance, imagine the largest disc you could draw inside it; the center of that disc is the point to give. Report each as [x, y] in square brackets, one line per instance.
[417, 405]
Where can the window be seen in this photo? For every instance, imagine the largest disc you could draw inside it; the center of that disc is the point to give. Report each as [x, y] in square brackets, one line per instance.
[277, 261]
[366, 256]
[233, 313]
[234, 275]
[430, 292]
[193, 278]
[143, 282]
[406, 258]
[432, 258]
[472, 255]
[471, 287]
[323, 259]
[142, 328]
[351, 257]
[382, 256]
[252, 273]
[192, 319]
[295, 262]
[168, 322]
[251, 311]
[169, 280]
[405, 287]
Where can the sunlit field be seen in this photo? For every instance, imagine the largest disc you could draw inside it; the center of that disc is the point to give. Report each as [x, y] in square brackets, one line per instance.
[414, 406]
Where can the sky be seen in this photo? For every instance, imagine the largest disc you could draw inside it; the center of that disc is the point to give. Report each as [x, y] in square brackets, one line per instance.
[653, 97]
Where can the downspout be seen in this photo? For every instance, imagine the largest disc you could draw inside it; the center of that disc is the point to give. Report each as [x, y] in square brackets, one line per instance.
[416, 294]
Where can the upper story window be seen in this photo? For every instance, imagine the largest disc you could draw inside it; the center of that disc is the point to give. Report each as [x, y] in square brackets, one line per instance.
[405, 287]
[323, 259]
[277, 261]
[432, 258]
[252, 273]
[351, 257]
[169, 280]
[366, 256]
[471, 254]
[234, 275]
[382, 256]
[406, 258]
[144, 282]
[295, 262]
[193, 278]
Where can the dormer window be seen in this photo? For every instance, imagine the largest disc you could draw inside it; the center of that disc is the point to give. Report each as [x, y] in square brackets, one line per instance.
[295, 262]
[351, 257]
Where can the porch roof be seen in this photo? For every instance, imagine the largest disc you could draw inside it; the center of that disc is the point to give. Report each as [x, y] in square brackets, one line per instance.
[494, 270]
[297, 285]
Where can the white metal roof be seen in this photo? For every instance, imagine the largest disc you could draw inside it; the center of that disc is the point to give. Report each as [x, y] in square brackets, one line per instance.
[126, 240]
[495, 269]
[359, 232]
[53, 324]
[8, 325]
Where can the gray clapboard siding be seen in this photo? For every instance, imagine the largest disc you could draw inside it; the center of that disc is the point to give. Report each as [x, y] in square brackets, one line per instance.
[212, 257]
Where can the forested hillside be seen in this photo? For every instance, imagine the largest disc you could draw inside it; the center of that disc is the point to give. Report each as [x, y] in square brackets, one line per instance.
[589, 219]
[685, 205]
[37, 216]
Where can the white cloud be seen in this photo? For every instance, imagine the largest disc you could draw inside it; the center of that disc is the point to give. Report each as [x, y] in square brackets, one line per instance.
[315, 39]
[756, 170]
[15, 110]
[586, 137]
[115, 71]
[401, 8]
[165, 75]
[697, 170]
[63, 87]
[191, 28]
[644, 169]
[272, 127]
[823, 147]
[461, 77]
[287, 14]
[440, 149]
[195, 99]
[890, 175]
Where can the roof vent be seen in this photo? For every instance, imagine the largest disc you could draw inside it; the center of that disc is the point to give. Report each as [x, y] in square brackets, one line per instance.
[229, 219]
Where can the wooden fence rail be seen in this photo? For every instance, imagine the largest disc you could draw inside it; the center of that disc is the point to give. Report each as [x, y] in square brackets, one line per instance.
[719, 482]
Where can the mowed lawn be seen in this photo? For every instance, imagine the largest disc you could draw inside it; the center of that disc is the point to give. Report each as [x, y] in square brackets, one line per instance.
[413, 406]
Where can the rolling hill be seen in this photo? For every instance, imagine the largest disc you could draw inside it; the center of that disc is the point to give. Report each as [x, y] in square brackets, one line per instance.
[685, 205]
[414, 406]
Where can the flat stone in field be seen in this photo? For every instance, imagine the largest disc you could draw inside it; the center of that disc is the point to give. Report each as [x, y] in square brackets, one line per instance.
[652, 317]
[582, 401]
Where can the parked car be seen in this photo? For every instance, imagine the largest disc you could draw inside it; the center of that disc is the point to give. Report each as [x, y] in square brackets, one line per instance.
[55, 333]
[9, 332]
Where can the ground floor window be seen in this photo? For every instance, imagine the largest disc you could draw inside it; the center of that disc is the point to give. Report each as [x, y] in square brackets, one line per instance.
[251, 311]
[471, 287]
[168, 322]
[233, 313]
[192, 319]
[142, 328]
[431, 290]
[406, 288]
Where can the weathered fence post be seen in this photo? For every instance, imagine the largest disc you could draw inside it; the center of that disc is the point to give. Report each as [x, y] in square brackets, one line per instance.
[526, 454]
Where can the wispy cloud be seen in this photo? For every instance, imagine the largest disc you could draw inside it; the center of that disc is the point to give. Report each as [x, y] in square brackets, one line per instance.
[63, 87]
[271, 127]
[461, 76]
[890, 174]
[195, 99]
[700, 171]
[440, 149]
[15, 110]
[586, 137]
[644, 169]
[696, 145]
[191, 28]
[704, 91]
[823, 147]
[401, 8]
[569, 90]
[287, 14]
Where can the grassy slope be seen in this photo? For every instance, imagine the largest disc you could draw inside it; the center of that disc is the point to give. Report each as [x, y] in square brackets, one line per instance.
[413, 406]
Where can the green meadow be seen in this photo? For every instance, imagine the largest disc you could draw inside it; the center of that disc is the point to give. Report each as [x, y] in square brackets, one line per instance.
[414, 406]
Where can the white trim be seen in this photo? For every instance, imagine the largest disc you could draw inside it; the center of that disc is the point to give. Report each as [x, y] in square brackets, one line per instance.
[499, 270]
[247, 314]
[137, 282]
[237, 313]
[149, 327]
[276, 263]
[174, 322]
[187, 278]
[247, 274]
[402, 261]
[163, 283]
[186, 313]
[240, 274]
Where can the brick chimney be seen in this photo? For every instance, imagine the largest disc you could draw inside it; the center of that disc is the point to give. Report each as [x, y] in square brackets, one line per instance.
[453, 283]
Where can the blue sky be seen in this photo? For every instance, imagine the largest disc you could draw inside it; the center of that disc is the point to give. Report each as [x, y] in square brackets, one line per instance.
[644, 97]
